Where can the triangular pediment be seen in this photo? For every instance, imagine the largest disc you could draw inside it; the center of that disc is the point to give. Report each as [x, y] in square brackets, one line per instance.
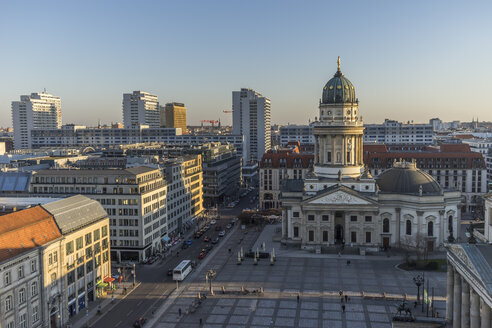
[340, 196]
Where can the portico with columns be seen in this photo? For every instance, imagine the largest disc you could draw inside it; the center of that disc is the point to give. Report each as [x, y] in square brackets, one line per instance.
[469, 285]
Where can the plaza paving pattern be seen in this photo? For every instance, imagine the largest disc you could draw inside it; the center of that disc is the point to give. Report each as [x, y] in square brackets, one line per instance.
[316, 278]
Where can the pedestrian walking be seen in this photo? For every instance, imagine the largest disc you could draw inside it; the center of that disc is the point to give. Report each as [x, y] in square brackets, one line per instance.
[346, 298]
[343, 307]
[348, 262]
[340, 293]
[201, 321]
[179, 311]
[298, 298]
[415, 304]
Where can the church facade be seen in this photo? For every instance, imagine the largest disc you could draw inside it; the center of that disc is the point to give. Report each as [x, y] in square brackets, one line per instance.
[339, 202]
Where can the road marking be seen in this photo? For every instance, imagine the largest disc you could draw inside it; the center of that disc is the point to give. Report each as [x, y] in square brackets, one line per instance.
[138, 304]
[117, 324]
[129, 313]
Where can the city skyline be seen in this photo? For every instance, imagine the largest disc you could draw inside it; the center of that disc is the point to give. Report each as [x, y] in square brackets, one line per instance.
[404, 63]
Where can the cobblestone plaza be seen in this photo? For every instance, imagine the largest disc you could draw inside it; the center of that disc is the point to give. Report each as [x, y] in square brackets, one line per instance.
[317, 279]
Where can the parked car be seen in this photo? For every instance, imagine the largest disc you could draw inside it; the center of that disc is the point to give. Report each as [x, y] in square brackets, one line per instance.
[202, 255]
[213, 222]
[140, 322]
[222, 233]
[229, 226]
[206, 239]
[234, 220]
[216, 240]
[189, 242]
[170, 272]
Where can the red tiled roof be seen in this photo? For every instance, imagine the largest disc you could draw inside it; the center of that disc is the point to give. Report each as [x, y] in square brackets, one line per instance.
[292, 160]
[24, 230]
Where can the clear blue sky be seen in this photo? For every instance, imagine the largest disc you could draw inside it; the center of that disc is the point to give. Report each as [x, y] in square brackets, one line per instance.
[408, 60]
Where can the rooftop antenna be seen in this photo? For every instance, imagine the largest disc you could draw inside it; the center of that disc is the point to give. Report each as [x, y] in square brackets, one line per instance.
[338, 63]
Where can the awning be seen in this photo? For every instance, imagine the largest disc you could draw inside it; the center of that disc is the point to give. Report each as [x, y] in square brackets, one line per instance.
[101, 284]
[109, 279]
[166, 239]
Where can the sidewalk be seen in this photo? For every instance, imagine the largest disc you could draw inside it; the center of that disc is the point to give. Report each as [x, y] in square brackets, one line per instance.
[88, 316]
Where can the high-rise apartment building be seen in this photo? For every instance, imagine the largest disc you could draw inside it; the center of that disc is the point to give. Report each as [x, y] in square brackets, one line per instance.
[134, 198]
[140, 108]
[251, 118]
[39, 111]
[173, 115]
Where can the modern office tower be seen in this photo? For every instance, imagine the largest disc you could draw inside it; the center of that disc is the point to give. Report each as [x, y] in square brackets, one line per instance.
[39, 111]
[251, 118]
[135, 199]
[173, 115]
[140, 108]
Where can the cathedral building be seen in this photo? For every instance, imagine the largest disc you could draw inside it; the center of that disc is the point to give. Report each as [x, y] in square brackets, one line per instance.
[339, 202]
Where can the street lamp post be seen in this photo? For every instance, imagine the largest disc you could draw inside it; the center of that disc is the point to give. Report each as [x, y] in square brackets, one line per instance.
[210, 275]
[134, 274]
[418, 280]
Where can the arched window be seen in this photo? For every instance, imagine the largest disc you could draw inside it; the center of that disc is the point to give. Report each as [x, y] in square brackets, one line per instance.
[450, 224]
[430, 229]
[409, 227]
[386, 225]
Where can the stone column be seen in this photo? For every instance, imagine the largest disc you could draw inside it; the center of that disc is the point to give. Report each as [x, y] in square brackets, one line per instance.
[316, 149]
[442, 228]
[449, 294]
[333, 150]
[398, 226]
[344, 150]
[485, 316]
[465, 304]
[474, 309]
[457, 300]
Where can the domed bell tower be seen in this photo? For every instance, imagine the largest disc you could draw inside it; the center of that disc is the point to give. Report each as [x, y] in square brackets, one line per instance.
[339, 132]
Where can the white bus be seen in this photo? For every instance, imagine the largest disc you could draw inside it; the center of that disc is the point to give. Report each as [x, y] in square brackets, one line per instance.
[182, 270]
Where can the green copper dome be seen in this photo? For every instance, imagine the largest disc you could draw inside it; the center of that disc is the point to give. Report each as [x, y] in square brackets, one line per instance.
[339, 89]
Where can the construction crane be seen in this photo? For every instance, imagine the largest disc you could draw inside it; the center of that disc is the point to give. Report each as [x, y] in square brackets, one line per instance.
[213, 122]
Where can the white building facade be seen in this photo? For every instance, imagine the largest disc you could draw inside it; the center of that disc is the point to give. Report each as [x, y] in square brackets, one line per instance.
[251, 118]
[393, 132]
[141, 108]
[38, 111]
[292, 133]
[339, 203]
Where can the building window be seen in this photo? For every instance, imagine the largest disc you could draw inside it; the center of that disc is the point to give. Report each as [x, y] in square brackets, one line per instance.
[88, 239]
[7, 279]
[35, 313]
[295, 214]
[22, 320]
[34, 266]
[325, 236]
[368, 236]
[97, 234]
[353, 236]
[353, 218]
[325, 217]
[430, 229]
[34, 288]
[311, 217]
[296, 232]
[386, 225]
[69, 247]
[22, 295]
[10, 324]
[409, 228]
[329, 156]
[20, 272]
[450, 224]
[368, 218]
[104, 231]
[79, 242]
[311, 235]
[8, 303]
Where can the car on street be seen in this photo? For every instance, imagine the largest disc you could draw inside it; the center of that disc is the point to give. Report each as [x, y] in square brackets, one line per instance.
[189, 242]
[234, 220]
[216, 240]
[202, 255]
[213, 222]
[222, 233]
[229, 226]
[140, 322]
[206, 239]
[170, 272]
